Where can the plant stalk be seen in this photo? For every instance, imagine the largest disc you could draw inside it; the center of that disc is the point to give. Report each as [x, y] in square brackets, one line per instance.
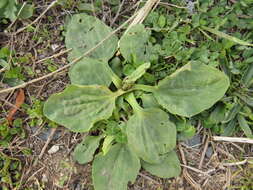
[130, 98]
[143, 87]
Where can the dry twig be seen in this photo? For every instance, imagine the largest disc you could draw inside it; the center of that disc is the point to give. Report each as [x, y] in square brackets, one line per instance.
[233, 139]
[186, 175]
[203, 153]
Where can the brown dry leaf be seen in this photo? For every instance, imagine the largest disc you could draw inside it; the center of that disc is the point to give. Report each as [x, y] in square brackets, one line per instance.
[19, 101]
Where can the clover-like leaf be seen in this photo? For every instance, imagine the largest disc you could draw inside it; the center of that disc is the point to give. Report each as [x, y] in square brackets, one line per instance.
[150, 133]
[135, 43]
[84, 32]
[115, 169]
[191, 89]
[89, 72]
[84, 151]
[79, 107]
[169, 166]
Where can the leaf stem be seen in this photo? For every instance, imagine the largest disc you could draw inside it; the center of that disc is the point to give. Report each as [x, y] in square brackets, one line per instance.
[115, 79]
[144, 87]
[130, 98]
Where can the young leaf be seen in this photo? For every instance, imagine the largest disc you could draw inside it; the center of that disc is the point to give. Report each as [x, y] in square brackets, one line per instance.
[89, 72]
[138, 73]
[84, 32]
[150, 133]
[84, 151]
[169, 166]
[135, 75]
[114, 170]
[191, 89]
[107, 144]
[79, 107]
[136, 43]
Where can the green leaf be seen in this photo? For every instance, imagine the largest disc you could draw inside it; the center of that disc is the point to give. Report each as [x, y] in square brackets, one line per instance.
[84, 151]
[231, 114]
[114, 170]
[229, 128]
[162, 21]
[89, 72]
[84, 32]
[150, 133]
[138, 73]
[107, 144]
[26, 12]
[149, 101]
[191, 89]
[186, 134]
[10, 10]
[244, 126]
[218, 114]
[169, 166]
[4, 64]
[79, 107]
[3, 3]
[247, 78]
[135, 43]
[247, 99]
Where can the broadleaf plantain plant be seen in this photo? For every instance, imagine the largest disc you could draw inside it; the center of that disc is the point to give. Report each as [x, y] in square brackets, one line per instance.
[129, 135]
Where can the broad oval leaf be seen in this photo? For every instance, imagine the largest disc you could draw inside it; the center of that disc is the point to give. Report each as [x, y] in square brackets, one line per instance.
[84, 151]
[89, 72]
[114, 170]
[135, 43]
[79, 107]
[169, 166]
[150, 134]
[84, 32]
[191, 89]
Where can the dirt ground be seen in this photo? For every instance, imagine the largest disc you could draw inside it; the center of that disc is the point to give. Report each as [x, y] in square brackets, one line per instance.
[204, 164]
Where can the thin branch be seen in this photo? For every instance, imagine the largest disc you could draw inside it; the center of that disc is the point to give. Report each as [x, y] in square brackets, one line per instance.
[203, 153]
[233, 139]
[118, 12]
[235, 163]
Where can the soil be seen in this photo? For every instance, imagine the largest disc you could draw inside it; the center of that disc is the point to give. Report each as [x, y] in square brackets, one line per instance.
[59, 170]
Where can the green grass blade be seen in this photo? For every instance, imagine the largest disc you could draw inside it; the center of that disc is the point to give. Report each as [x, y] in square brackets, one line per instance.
[226, 36]
[244, 126]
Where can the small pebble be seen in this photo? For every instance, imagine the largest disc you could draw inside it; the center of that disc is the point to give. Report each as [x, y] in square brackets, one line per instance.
[54, 149]
[44, 178]
[209, 152]
[195, 141]
[54, 46]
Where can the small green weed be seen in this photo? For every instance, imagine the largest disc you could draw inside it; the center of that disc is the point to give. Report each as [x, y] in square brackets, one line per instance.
[12, 10]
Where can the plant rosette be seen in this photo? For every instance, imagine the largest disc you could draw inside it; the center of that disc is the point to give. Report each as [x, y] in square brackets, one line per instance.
[130, 136]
